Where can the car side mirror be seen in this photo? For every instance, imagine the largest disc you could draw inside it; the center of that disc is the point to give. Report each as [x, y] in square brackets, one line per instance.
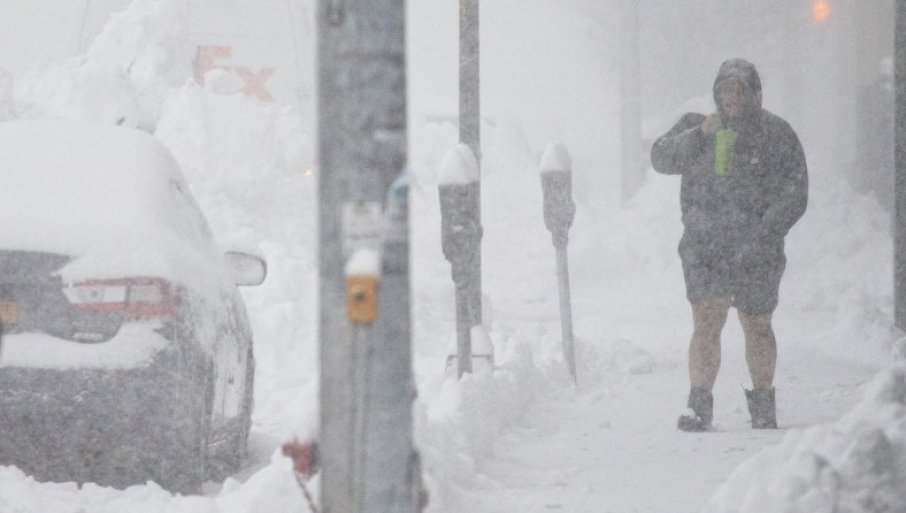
[248, 270]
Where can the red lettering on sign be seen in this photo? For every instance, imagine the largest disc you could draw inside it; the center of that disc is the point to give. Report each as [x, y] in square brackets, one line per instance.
[254, 82]
[206, 59]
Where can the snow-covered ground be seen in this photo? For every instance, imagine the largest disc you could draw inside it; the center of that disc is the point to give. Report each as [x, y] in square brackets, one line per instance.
[520, 438]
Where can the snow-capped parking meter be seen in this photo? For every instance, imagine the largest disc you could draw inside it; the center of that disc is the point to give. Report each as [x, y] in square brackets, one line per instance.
[559, 211]
[460, 227]
[557, 187]
[461, 240]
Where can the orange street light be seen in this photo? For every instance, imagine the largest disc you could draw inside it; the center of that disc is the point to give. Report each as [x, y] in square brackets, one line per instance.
[821, 11]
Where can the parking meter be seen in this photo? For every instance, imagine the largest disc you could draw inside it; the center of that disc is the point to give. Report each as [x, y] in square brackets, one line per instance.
[559, 211]
[460, 227]
[461, 243]
[557, 187]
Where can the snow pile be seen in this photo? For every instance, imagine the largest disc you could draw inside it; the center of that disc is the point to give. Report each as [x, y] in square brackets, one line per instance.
[459, 421]
[855, 465]
[842, 263]
[149, 41]
[123, 77]
[272, 489]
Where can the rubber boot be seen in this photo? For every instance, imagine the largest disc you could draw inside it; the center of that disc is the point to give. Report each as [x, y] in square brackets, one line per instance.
[701, 402]
[762, 408]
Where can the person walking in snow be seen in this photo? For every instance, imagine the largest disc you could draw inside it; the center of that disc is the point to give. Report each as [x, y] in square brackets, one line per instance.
[744, 185]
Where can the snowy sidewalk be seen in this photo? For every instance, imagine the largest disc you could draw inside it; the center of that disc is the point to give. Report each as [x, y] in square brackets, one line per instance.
[611, 445]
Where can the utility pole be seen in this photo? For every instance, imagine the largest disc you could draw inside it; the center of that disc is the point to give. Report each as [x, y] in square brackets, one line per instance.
[367, 456]
[899, 267]
[630, 101]
[470, 135]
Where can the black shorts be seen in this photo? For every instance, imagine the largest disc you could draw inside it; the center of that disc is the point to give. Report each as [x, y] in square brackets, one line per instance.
[752, 283]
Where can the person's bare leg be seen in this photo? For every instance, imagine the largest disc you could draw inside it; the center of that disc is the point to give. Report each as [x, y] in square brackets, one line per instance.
[761, 349]
[761, 355]
[708, 318]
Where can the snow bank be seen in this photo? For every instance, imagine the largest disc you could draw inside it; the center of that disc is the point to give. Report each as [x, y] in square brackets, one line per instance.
[124, 76]
[458, 421]
[857, 464]
[271, 489]
[841, 261]
[249, 165]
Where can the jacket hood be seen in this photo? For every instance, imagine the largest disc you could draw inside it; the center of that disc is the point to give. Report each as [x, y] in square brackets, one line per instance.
[742, 70]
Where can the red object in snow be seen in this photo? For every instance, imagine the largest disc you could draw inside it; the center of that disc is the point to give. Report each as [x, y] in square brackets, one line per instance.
[306, 461]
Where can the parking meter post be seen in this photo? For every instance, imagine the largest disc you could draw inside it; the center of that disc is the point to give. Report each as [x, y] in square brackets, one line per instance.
[463, 332]
[461, 240]
[559, 212]
[566, 316]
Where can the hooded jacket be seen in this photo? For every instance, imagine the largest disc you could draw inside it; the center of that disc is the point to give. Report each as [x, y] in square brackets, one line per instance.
[765, 190]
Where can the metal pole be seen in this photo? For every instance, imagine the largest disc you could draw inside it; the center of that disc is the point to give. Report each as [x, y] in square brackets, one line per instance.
[566, 312]
[470, 135]
[463, 331]
[900, 177]
[367, 456]
[631, 159]
[469, 77]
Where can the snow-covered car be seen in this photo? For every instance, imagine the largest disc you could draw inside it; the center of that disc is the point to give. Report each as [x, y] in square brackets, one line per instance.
[126, 352]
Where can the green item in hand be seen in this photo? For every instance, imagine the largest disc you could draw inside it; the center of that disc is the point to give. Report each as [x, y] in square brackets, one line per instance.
[724, 142]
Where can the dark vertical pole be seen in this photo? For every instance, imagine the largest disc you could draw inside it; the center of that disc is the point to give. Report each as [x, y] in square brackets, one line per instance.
[469, 77]
[368, 463]
[470, 135]
[900, 158]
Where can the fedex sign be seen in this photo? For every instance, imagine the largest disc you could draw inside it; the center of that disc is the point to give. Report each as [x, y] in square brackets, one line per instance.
[208, 57]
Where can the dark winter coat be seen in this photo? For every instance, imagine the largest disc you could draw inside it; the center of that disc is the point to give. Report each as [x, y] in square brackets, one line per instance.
[751, 208]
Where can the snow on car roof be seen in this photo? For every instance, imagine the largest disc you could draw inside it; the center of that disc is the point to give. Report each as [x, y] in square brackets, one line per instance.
[111, 196]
